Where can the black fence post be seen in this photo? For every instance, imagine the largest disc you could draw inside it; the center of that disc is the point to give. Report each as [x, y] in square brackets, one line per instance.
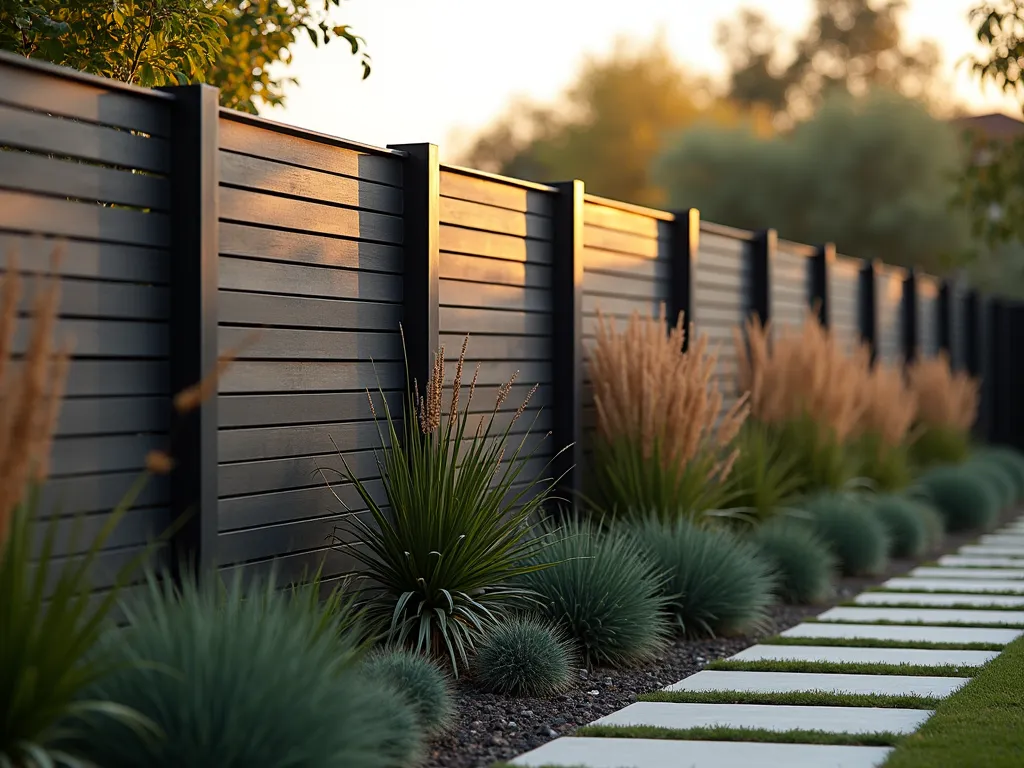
[683, 248]
[762, 253]
[422, 195]
[822, 260]
[984, 351]
[567, 335]
[945, 319]
[908, 320]
[867, 306]
[195, 143]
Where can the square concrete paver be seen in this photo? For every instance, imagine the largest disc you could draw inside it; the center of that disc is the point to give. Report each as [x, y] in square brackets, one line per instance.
[898, 633]
[986, 550]
[868, 614]
[770, 717]
[979, 561]
[952, 585]
[791, 682]
[967, 573]
[843, 655]
[940, 599]
[661, 753]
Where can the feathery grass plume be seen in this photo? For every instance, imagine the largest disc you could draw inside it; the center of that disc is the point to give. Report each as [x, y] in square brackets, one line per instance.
[663, 444]
[889, 412]
[445, 547]
[30, 396]
[807, 386]
[947, 406]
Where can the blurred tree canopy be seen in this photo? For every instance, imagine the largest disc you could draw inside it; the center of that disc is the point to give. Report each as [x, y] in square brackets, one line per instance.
[849, 46]
[233, 44]
[609, 127]
[872, 173]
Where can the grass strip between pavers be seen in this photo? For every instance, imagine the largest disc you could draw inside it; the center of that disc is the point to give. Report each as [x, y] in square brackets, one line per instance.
[874, 642]
[724, 733]
[919, 591]
[982, 724]
[797, 698]
[844, 667]
[918, 606]
[891, 623]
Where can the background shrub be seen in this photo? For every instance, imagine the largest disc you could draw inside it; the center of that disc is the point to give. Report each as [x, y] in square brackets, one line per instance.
[961, 496]
[525, 656]
[1011, 460]
[718, 584]
[998, 478]
[853, 533]
[236, 677]
[904, 523]
[804, 563]
[603, 593]
[423, 685]
[934, 524]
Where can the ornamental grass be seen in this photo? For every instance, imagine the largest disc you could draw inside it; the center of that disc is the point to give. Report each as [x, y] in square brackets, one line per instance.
[664, 441]
[947, 406]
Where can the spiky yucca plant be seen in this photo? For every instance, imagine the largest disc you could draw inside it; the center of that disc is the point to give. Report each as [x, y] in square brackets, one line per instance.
[663, 443]
[443, 557]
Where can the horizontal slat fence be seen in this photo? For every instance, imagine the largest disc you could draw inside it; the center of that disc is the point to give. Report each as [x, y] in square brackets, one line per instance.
[189, 231]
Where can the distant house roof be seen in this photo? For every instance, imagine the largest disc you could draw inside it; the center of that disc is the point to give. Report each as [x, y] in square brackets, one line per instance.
[993, 126]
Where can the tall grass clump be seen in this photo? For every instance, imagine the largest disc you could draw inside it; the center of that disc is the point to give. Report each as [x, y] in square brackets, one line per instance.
[766, 478]
[889, 408]
[718, 584]
[663, 443]
[855, 535]
[603, 594]
[807, 387]
[947, 406]
[453, 532]
[964, 499]
[802, 560]
[906, 526]
[524, 656]
[424, 686]
[236, 676]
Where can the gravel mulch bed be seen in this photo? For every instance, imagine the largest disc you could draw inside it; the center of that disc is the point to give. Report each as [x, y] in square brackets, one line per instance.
[491, 727]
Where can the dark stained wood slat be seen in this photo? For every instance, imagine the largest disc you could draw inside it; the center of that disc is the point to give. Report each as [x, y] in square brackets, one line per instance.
[75, 534]
[288, 536]
[614, 263]
[105, 261]
[497, 347]
[297, 279]
[610, 240]
[107, 565]
[308, 344]
[296, 504]
[300, 472]
[494, 245]
[265, 175]
[304, 408]
[271, 376]
[113, 415]
[95, 299]
[48, 216]
[485, 396]
[337, 314]
[625, 307]
[104, 338]
[494, 193]
[477, 321]
[98, 493]
[456, 293]
[292, 568]
[623, 221]
[497, 372]
[43, 92]
[308, 153]
[26, 172]
[53, 135]
[306, 440]
[111, 453]
[117, 377]
[623, 286]
[310, 249]
[244, 206]
[462, 213]
[495, 271]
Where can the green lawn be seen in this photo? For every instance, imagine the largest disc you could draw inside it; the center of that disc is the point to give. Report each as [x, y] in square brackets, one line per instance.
[805, 698]
[869, 642]
[721, 733]
[845, 668]
[980, 725]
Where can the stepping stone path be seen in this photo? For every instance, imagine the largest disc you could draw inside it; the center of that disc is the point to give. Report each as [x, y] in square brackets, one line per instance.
[949, 603]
